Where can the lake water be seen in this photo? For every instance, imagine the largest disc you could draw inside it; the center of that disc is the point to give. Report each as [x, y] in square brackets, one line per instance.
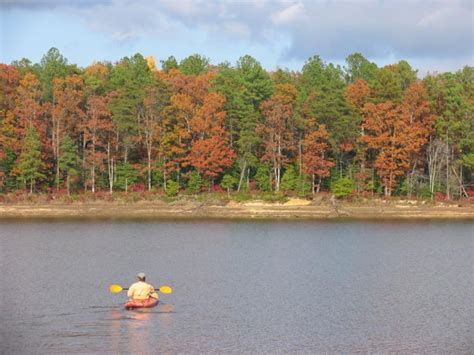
[239, 287]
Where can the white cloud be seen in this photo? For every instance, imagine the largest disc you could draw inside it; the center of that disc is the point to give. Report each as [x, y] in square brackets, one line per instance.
[293, 13]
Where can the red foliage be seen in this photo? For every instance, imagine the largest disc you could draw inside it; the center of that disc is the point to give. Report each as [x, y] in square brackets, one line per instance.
[137, 188]
[217, 188]
[211, 156]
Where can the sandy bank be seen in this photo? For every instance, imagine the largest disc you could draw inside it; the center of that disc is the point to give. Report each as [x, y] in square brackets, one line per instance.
[293, 209]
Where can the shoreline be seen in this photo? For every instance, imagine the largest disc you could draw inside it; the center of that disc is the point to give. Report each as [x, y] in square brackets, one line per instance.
[294, 209]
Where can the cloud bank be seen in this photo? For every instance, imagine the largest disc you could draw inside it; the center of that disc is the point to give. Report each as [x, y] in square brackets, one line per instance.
[333, 29]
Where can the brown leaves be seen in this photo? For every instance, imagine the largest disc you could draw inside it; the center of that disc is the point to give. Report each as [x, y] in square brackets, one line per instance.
[315, 147]
[397, 132]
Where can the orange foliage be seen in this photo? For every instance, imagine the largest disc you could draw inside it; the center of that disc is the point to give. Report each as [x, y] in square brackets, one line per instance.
[357, 94]
[315, 146]
[397, 132]
[211, 155]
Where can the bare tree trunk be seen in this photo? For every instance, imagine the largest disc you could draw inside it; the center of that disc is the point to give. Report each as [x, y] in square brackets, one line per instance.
[149, 169]
[447, 168]
[300, 158]
[57, 157]
[319, 185]
[164, 173]
[93, 164]
[93, 178]
[110, 168]
[67, 184]
[462, 190]
[248, 178]
[242, 174]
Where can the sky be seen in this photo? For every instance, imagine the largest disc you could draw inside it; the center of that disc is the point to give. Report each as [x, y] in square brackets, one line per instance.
[433, 36]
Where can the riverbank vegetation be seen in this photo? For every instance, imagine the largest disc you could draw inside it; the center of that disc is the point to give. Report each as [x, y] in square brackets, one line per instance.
[191, 128]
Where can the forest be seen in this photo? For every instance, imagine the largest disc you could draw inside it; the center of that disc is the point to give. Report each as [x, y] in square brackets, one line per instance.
[189, 127]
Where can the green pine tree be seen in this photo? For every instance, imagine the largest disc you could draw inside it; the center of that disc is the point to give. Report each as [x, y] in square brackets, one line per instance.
[262, 178]
[126, 176]
[30, 165]
[69, 161]
[195, 182]
[289, 181]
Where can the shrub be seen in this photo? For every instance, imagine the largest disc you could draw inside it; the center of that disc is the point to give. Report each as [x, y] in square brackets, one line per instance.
[172, 188]
[195, 183]
[342, 187]
[126, 176]
[228, 182]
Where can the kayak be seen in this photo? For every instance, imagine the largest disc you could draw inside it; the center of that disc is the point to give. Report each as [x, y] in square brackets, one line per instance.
[148, 303]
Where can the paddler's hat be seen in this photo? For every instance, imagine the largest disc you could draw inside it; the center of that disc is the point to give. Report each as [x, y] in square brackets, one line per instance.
[141, 275]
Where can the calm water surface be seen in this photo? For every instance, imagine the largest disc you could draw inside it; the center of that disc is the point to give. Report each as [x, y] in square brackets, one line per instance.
[239, 287]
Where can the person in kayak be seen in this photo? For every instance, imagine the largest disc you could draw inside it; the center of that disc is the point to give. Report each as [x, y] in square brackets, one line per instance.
[141, 291]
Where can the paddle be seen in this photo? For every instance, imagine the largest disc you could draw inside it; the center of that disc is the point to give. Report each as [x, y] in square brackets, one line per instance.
[117, 288]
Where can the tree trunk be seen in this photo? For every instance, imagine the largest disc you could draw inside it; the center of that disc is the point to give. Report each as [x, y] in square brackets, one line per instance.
[319, 185]
[84, 170]
[149, 170]
[242, 174]
[300, 158]
[110, 168]
[93, 164]
[57, 156]
[248, 178]
[164, 174]
[67, 184]
[447, 168]
[93, 178]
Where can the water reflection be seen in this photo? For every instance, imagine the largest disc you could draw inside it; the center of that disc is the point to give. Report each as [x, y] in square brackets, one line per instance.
[136, 331]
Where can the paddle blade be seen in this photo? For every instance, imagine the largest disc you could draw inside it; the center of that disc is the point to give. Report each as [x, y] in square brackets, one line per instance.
[166, 289]
[115, 288]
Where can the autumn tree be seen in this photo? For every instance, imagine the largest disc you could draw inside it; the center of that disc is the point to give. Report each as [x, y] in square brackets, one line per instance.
[67, 113]
[9, 78]
[98, 133]
[397, 133]
[156, 99]
[278, 137]
[358, 95]
[210, 152]
[451, 97]
[420, 121]
[315, 149]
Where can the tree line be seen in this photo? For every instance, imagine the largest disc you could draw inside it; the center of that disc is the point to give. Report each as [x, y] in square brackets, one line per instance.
[192, 126]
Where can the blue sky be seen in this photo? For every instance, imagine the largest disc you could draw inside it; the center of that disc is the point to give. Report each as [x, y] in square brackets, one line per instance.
[431, 35]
